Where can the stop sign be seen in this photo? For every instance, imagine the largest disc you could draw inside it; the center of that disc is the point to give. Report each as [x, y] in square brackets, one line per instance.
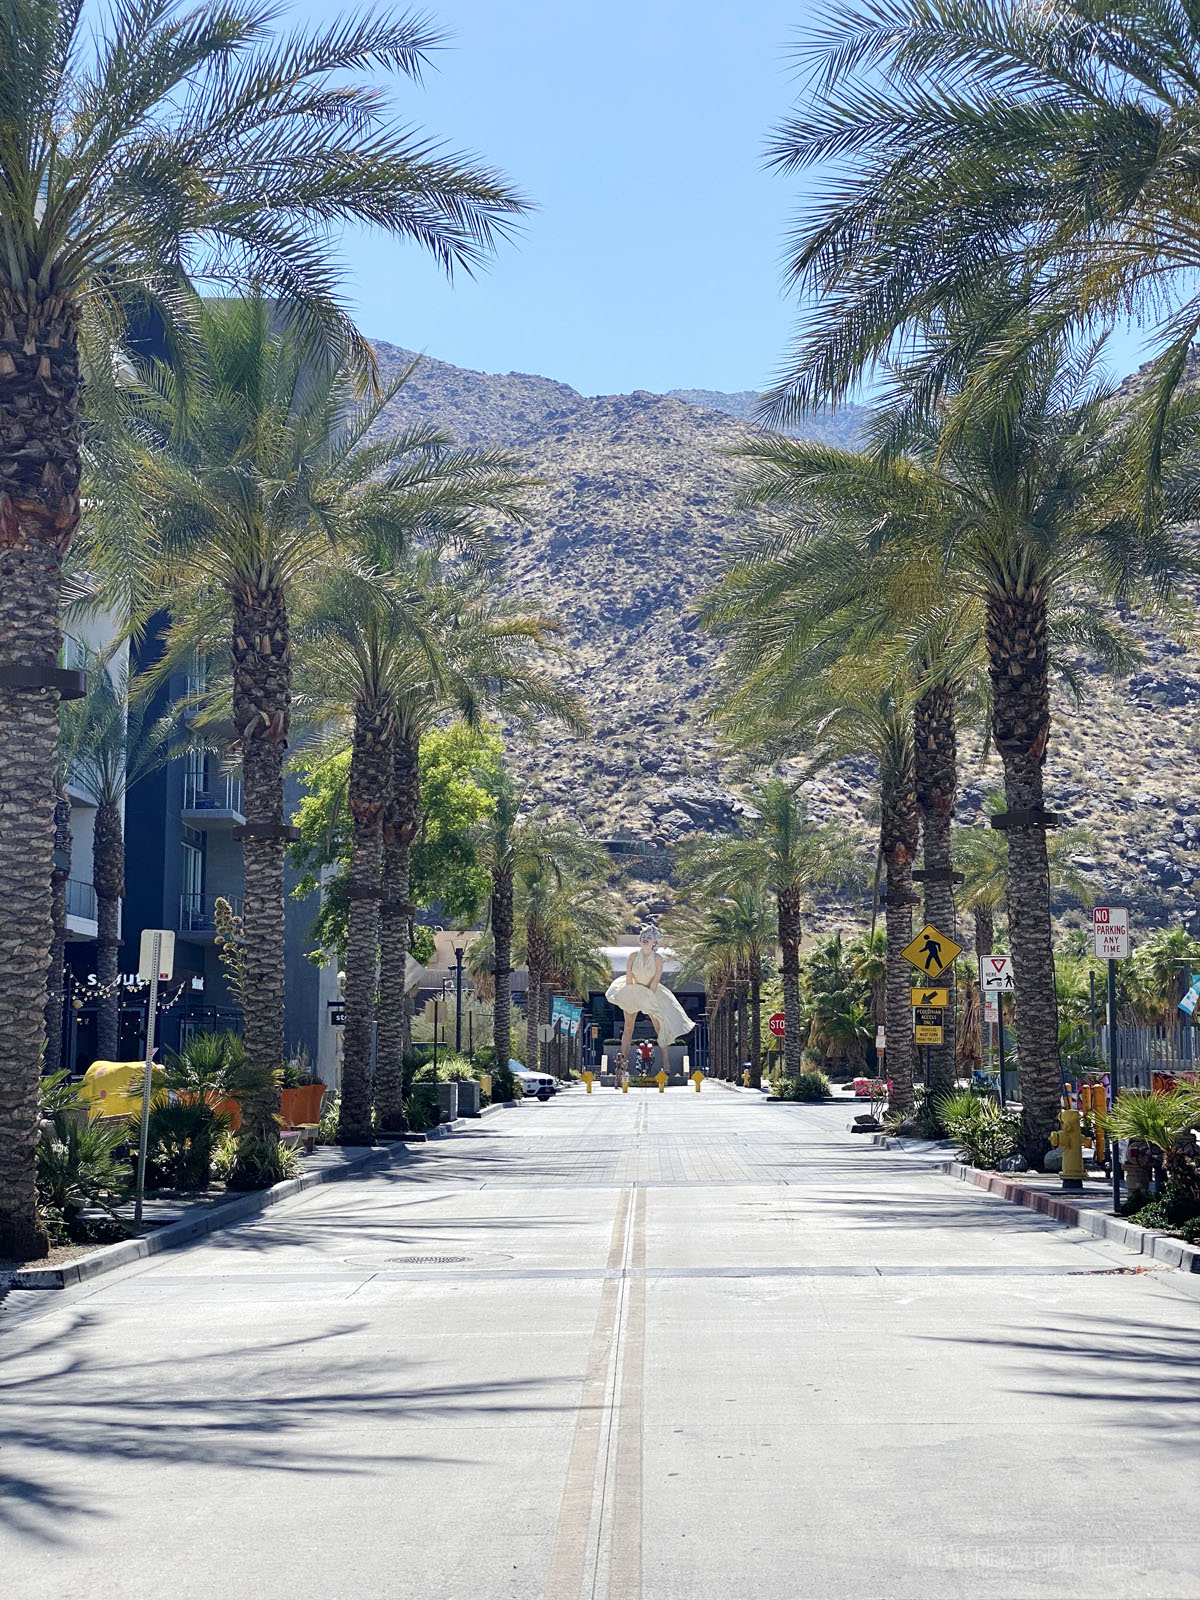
[777, 1022]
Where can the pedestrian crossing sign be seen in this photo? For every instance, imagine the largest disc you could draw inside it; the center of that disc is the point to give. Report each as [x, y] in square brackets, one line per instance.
[931, 952]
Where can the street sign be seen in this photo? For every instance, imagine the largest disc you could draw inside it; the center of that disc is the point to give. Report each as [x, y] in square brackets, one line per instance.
[777, 1023]
[1110, 932]
[995, 974]
[545, 1032]
[157, 943]
[931, 952]
[927, 1024]
[991, 1008]
[927, 1034]
[881, 1038]
[930, 997]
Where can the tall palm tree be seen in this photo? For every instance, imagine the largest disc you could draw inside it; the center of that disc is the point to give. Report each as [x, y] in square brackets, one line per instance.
[558, 908]
[110, 743]
[735, 933]
[139, 145]
[1056, 135]
[479, 653]
[792, 856]
[499, 841]
[264, 470]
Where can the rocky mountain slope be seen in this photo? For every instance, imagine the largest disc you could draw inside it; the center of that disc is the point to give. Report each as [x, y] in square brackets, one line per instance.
[631, 526]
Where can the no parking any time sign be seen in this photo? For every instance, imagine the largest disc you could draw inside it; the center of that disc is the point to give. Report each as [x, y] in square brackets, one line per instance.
[1110, 932]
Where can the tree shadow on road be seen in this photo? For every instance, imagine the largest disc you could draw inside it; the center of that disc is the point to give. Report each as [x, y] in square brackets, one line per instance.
[266, 1405]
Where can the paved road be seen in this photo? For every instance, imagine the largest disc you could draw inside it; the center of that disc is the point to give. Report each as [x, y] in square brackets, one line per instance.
[650, 1347]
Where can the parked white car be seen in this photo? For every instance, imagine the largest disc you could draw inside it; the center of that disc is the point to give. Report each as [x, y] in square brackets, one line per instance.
[540, 1084]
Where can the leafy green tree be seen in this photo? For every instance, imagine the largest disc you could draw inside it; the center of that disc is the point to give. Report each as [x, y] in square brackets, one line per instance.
[733, 935]
[558, 909]
[457, 768]
[139, 144]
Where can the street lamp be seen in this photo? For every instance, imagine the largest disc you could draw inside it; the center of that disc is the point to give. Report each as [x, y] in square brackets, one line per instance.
[458, 969]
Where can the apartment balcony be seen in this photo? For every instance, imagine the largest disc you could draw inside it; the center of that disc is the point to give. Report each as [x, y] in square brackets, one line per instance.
[215, 803]
[197, 917]
[81, 910]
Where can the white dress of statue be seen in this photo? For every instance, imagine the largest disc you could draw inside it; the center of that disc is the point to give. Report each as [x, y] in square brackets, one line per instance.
[640, 989]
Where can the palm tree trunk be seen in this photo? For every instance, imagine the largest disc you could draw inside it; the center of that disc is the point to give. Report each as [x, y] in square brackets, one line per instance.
[31, 535]
[370, 788]
[401, 820]
[985, 930]
[108, 876]
[502, 936]
[533, 1016]
[262, 693]
[755, 1025]
[743, 1026]
[935, 765]
[56, 973]
[898, 846]
[1018, 666]
[789, 945]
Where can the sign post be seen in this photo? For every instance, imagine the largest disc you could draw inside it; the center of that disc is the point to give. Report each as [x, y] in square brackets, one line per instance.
[1110, 941]
[156, 963]
[996, 979]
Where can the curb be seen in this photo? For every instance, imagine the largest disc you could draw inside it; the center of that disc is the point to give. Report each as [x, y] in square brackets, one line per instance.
[110, 1257]
[1141, 1241]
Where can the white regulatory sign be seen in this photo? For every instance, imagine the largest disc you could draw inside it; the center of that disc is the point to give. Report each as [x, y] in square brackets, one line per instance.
[1110, 932]
[995, 974]
[162, 941]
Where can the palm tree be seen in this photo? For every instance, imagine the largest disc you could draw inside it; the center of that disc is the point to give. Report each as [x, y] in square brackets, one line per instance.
[110, 744]
[792, 856]
[557, 910]
[982, 856]
[139, 146]
[1052, 135]
[731, 937]
[499, 841]
[479, 653]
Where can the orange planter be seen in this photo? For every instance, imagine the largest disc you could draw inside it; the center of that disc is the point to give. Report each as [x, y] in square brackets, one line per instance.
[302, 1106]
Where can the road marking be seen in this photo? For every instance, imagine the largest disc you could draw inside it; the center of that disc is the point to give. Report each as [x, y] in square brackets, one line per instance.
[625, 1499]
[568, 1556]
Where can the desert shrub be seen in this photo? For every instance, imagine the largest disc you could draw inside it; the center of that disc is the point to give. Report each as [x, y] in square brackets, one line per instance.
[986, 1132]
[56, 1092]
[809, 1086]
[224, 1157]
[259, 1161]
[182, 1140]
[210, 1064]
[331, 1107]
[79, 1164]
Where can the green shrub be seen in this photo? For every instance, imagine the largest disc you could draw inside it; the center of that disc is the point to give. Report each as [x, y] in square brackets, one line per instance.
[331, 1108]
[79, 1164]
[181, 1143]
[809, 1087]
[986, 1131]
[259, 1161]
[505, 1086]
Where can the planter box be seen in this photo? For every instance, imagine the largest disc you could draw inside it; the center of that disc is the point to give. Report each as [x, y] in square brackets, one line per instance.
[468, 1099]
[447, 1099]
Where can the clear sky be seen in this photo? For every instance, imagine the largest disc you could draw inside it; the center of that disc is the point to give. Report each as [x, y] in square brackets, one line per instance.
[638, 127]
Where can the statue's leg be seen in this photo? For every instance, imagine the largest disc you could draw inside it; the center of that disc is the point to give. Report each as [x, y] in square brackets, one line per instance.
[627, 1037]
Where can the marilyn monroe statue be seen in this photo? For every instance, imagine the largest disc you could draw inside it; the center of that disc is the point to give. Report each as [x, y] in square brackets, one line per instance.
[640, 988]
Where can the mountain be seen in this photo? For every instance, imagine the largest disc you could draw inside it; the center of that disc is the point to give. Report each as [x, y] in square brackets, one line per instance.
[633, 522]
[841, 427]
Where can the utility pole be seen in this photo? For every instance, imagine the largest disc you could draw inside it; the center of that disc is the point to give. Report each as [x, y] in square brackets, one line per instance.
[458, 972]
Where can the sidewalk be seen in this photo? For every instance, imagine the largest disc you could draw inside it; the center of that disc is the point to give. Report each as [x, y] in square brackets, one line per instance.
[181, 1218]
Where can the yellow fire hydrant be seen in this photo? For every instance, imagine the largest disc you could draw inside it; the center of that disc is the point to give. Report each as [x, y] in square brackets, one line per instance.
[1068, 1138]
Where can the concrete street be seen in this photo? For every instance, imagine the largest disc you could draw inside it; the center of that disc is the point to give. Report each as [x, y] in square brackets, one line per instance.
[643, 1347]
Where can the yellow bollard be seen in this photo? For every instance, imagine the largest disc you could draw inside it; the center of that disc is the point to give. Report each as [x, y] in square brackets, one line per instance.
[1068, 1138]
[1099, 1108]
[624, 1085]
[697, 1079]
[661, 1080]
[587, 1078]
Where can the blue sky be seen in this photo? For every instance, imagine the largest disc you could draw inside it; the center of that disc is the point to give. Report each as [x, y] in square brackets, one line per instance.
[652, 261]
